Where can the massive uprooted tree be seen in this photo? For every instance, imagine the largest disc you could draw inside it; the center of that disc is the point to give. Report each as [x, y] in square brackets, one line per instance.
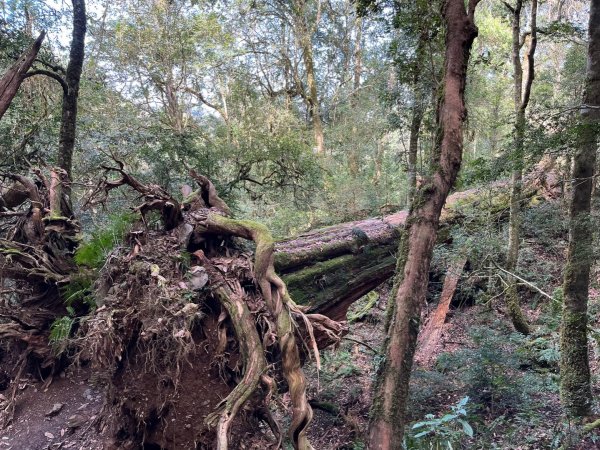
[188, 321]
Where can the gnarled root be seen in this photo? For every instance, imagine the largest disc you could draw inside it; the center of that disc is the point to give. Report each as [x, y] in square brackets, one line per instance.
[203, 216]
[283, 310]
[253, 357]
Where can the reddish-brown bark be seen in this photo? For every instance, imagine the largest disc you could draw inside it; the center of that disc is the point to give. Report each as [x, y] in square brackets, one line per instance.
[12, 79]
[416, 248]
[431, 334]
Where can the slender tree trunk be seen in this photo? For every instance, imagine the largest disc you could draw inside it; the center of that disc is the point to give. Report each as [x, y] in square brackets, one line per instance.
[575, 386]
[304, 36]
[416, 247]
[417, 118]
[66, 139]
[521, 100]
[12, 79]
[353, 158]
[413, 146]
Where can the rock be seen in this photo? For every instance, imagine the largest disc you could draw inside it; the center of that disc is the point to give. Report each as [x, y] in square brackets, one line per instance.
[88, 394]
[198, 277]
[49, 435]
[56, 408]
[76, 421]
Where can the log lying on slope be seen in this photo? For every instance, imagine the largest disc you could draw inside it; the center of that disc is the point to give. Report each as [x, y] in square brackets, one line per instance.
[332, 267]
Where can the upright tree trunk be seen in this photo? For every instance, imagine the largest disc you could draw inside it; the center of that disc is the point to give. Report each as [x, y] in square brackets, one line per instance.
[304, 37]
[12, 79]
[66, 139]
[413, 146]
[416, 120]
[353, 157]
[521, 101]
[416, 247]
[575, 387]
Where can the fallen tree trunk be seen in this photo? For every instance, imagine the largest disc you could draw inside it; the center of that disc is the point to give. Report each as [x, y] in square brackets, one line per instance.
[432, 332]
[332, 267]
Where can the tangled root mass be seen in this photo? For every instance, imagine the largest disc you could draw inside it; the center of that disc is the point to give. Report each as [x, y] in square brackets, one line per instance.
[191, 328]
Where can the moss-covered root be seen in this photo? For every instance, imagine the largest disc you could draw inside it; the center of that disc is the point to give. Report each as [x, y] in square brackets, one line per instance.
[251, 350]
[280, 305]
[514, 309]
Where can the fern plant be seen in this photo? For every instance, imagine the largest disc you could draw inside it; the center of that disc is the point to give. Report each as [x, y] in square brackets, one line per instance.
[60, 331]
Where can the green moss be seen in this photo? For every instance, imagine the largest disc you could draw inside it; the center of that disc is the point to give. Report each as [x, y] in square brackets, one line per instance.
[328, 281]
[575, 386]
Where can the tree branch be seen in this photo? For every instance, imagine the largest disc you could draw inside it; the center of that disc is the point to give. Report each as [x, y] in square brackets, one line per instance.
[49, 74]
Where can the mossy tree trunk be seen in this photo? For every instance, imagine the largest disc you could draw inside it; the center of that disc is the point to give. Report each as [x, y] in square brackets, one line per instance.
[304, 33]
[522, 92]
[419, 237]
[68, 126]
[575, 386]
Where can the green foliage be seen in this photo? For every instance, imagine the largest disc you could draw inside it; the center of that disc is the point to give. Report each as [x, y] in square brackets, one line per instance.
[337, 368]
[489, 371]
[79, 293]
[441, 433]
[60, 331]
[93, 252]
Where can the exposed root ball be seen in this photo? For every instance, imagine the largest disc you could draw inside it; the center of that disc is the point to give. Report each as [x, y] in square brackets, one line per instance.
[188, 300]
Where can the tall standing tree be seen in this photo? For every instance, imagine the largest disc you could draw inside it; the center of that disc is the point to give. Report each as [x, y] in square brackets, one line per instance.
[304, 32]
[69, 80]
[419, 236]
[68, 126]
[522, 94]
[575, 384]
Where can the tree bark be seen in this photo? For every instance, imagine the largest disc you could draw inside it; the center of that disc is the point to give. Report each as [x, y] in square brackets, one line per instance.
[419, 237]
[354, 156]
[12, 79]
[432, 333]
[575, 385]
[413, 146]
[68, 126]
[418, 110]
[521, 101]
[304, 38]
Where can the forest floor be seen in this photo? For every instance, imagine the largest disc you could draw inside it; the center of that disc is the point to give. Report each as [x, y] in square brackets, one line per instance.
[513, 391]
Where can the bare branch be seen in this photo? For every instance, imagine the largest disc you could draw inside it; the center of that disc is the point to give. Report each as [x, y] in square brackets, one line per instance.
[49, 74]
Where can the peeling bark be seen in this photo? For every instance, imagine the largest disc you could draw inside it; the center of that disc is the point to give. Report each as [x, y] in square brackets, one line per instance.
[432, 333]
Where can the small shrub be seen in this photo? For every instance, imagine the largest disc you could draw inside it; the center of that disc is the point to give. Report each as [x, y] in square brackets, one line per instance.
[440, 433]
[78, 293]
[490, 371]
